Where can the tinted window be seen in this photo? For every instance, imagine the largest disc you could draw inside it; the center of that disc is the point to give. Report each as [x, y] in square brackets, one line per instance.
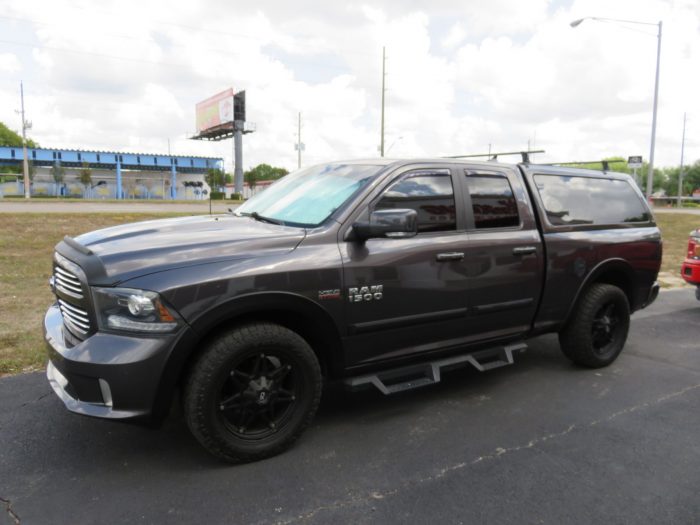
[431, 195]
[493, 203]
[583, 200]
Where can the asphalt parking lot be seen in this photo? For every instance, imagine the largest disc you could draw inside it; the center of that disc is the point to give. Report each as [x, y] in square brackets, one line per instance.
[538, 442]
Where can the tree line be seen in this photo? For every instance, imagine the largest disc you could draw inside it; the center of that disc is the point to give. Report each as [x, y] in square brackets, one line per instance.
[664, 178]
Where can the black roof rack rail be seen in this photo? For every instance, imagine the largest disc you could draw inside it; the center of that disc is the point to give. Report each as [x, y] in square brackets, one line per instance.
[605, 163]
[494, 156]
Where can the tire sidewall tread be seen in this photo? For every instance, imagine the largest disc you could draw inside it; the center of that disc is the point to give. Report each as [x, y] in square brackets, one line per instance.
[576, 338]
[206, 376]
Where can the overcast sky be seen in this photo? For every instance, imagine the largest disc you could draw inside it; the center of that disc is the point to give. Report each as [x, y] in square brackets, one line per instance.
[126, 75]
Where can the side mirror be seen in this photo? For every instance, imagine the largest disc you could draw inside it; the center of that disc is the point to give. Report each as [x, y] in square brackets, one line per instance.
[393, 223]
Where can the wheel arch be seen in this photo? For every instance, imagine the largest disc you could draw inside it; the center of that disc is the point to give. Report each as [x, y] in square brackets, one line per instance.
[293, 311]
[616, 272]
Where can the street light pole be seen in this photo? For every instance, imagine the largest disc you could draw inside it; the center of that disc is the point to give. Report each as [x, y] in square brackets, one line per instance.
[650, 171]
[659, 25]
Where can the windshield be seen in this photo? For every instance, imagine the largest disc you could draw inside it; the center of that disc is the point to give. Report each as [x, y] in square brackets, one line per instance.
[308, 197]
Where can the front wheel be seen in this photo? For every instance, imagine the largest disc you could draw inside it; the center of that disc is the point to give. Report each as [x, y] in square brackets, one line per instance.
[252, 392]
[597, 330]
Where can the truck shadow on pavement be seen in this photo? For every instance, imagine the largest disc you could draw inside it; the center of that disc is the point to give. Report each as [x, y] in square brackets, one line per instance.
[41, 427]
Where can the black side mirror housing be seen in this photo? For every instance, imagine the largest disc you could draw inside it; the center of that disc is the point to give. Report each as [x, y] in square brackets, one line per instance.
[392, 223]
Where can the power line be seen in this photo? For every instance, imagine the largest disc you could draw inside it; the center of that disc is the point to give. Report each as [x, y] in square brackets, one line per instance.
[153, 62]
[139, 39]
[91, 53]
[159, 23]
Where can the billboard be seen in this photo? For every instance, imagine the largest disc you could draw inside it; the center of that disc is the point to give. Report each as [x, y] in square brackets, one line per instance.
[215, 110]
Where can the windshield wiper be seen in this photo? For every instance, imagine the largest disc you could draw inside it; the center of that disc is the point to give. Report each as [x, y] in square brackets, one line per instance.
[255, 215]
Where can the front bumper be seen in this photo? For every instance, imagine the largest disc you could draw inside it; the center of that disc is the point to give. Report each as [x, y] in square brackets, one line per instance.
[107, 375]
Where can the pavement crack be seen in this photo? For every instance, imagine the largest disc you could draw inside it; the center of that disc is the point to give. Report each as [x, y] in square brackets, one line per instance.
[10, 512]
[42, 396]
[497, 453]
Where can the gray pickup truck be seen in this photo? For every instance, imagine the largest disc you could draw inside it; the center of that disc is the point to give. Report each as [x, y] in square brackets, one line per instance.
[374, 273]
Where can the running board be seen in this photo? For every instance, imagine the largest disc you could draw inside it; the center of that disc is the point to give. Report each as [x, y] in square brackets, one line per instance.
[424, 374]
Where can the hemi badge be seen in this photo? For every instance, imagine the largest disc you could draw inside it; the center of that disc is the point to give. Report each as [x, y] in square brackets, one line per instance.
[329, 294]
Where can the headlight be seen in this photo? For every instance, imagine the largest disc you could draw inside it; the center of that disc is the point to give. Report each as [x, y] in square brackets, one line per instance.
[132, 310]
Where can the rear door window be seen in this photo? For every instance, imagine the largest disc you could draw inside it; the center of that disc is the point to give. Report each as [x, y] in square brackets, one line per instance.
[493, 203]
[569, 201]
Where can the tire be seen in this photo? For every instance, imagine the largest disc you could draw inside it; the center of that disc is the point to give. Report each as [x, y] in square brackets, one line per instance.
[697, 293]
[597, 330]
[252, 392]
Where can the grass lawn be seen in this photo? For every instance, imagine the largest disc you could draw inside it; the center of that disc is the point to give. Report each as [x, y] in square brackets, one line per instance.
[675, 228]
[26, 247]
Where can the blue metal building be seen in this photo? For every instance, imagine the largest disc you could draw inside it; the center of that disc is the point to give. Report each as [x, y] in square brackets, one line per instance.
[113, 162]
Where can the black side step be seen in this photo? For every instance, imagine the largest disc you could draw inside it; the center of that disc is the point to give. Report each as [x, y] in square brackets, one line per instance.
[416, 376]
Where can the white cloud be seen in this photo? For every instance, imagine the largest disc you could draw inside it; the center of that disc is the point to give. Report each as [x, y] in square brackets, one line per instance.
[460, 75]
[454, 37]
[9, 63]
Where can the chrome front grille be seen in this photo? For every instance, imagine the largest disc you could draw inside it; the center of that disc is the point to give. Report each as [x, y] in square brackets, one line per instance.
[67, 282]
[75, 318]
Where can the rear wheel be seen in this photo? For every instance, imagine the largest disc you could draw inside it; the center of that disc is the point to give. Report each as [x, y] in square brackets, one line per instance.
[252, 392]
[597, 330]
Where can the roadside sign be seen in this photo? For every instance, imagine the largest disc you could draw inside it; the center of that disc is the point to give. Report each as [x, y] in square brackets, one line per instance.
[634, 162]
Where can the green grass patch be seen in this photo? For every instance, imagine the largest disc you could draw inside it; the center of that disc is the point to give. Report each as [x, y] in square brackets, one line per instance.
[27, 241]
[675, 228]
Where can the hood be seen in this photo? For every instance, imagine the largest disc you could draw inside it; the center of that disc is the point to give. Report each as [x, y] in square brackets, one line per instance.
[140, 248]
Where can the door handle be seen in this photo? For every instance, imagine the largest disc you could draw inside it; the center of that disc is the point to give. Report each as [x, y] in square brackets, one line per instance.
[449, 256]
[524, 250]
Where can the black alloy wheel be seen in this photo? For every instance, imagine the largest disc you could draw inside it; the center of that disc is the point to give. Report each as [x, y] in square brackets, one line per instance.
[597, 328]
[605, 328]
[252, 392]
[259, 395]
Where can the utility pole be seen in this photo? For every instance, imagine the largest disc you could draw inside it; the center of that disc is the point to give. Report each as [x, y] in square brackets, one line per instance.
[299, 145]
[25, 162]
[680, 173]
[381, 143]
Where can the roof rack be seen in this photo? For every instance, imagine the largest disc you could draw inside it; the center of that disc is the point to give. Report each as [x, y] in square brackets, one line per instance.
[494, 156]
[605, 163]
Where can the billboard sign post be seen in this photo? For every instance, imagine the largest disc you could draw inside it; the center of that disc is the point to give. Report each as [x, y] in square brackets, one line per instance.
[220, 117]
[215, 111]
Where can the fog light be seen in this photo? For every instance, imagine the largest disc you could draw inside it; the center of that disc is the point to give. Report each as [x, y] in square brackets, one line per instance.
[106, 392]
